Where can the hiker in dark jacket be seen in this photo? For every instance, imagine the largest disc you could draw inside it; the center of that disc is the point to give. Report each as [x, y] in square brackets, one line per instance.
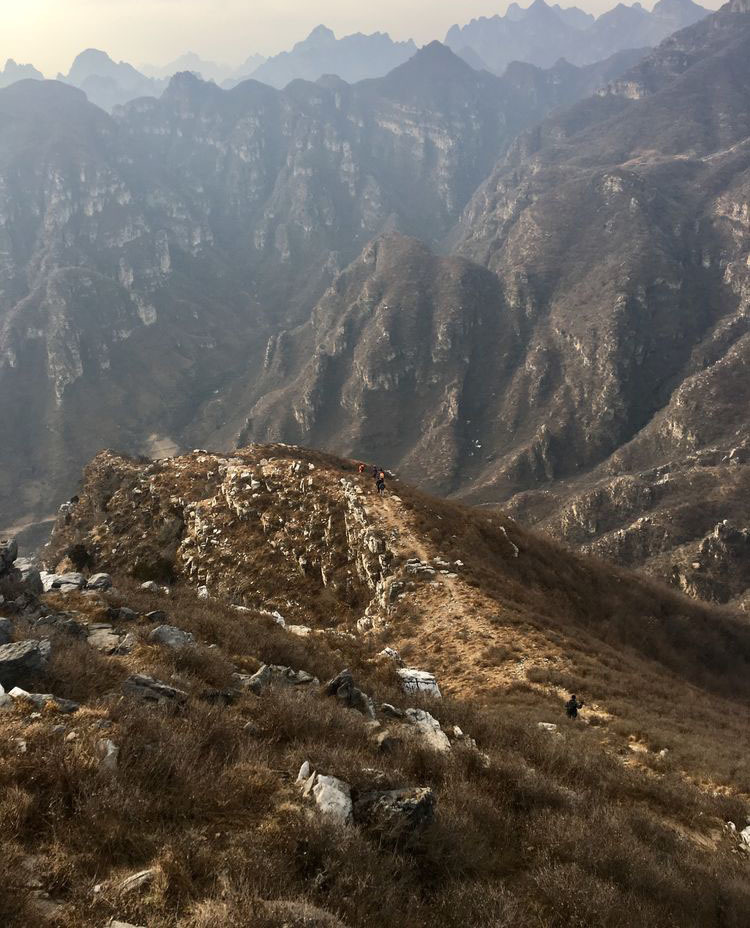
[572, 706]
[380, 485]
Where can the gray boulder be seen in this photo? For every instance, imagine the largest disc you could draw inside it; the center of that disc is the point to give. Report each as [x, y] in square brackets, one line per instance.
[429, 729]
[103, 637]
[157, 615]
[31, 578]
[8, 553]
[150, 586]
[331, 795]
[343, 688]
[123, 614]
[21, 658]
[40, 700]
[418, 681]
[99, 582]
[71, 580]
[171, 637]
[275, 674]
[395, 809]
[6, 631]
[152, 690]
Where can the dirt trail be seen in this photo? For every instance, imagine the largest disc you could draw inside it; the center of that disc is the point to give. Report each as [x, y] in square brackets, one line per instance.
[458, 635]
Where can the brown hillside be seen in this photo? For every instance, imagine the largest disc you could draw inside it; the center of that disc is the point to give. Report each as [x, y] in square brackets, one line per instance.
[615, 819]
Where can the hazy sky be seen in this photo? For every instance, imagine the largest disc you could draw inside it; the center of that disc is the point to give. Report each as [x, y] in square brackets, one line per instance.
[49, 33]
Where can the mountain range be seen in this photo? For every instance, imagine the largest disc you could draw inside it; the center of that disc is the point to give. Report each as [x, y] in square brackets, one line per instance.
[541, 34]
[13, 72]
[180, 237]
[545, 315]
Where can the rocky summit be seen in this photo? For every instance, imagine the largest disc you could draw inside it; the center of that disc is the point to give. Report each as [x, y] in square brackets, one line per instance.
[252, 689]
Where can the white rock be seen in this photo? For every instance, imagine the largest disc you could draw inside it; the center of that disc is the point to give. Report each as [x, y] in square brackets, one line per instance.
[333, 798]
[304, 772]
[301, 630]
[547, 726]
[745, 836]
[99, 582]
[419, 681]
[150, 586]
[392, 654]
[109, 753]
[429, 728]
[171, 637]
[137, 880]
[5, 700]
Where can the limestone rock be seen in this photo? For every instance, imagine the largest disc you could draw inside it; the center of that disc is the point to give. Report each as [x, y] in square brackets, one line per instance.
[103, 637]
[419, 681]
[138, 880]
[31, 577]
[109, 753]
[430, 730]
[21, 658]
[42, 700]
[171, 637]
[269, 674]
[8, 553]
[99, 582]
[152, 690]
[332, 796]
[396, 809]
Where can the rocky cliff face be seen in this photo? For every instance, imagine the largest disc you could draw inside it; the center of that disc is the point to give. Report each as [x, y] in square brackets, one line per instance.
[147, 259]
[607, 353]
[619, 231]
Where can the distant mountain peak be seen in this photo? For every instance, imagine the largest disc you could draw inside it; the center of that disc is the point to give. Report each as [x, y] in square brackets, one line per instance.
[322, 33]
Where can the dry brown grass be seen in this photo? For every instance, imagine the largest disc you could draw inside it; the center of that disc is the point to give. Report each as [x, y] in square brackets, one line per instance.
[557, 830]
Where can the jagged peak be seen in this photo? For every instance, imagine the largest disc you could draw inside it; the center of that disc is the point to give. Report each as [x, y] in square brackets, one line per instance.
[322, 33]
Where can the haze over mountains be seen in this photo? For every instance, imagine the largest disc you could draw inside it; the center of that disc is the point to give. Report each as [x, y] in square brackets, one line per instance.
[540, 34]
[411, 269]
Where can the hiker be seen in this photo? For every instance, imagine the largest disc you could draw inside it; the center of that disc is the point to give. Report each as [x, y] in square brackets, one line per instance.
[572, 706]
[361, 469]
[380, 484]
[375, 472]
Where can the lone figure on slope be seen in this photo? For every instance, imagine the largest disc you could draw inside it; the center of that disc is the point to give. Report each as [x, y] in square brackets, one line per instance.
[380, 484]
[572, 706]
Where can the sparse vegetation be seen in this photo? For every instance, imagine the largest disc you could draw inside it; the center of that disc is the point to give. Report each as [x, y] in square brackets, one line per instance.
[614, 820]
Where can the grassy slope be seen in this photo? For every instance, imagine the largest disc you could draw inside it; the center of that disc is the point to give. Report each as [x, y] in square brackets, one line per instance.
[574, 829]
